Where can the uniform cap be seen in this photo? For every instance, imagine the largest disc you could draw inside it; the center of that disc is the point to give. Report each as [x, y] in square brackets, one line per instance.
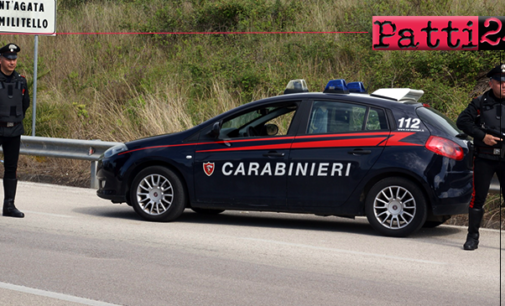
[10, 51]
[497, 73]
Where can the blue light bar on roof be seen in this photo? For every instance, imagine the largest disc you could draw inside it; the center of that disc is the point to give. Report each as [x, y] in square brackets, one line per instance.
[336, 86]
[357, 87]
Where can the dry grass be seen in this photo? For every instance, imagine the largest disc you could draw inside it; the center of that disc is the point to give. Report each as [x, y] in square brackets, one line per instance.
[58, 171]
[494, 215]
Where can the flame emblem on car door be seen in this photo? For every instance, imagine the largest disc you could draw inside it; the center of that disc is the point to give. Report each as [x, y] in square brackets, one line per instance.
[208, 168]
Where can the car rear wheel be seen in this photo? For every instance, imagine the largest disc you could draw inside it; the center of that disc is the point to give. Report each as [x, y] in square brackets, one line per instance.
[157, 194]
[207, 211]
[395, 207]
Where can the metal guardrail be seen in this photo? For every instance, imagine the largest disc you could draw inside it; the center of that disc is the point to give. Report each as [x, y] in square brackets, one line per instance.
[92, 149]
[66, 148]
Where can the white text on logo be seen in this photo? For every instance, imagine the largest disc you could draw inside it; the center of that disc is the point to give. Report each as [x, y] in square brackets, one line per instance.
[293, 169]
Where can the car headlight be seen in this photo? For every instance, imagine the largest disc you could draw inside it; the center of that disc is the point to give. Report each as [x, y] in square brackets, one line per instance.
[115, 150]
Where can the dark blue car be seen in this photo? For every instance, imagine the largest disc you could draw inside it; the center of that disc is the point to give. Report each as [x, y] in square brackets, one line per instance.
[342, 152]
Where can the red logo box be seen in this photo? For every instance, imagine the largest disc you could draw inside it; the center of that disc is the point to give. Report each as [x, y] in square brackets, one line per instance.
[457, 33]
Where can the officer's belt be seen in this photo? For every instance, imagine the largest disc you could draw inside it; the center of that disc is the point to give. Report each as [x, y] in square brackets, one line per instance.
[9, 124]
[489, 151]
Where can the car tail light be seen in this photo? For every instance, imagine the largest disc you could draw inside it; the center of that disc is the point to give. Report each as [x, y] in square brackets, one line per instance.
[445, 147]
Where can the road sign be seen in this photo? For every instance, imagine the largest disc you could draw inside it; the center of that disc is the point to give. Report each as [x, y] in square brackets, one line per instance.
[28, 17]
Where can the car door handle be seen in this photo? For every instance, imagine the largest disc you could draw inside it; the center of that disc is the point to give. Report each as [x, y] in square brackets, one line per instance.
[273, 154]
[359, 152]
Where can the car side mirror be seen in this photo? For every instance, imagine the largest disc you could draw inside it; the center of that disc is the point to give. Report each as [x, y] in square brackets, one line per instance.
[216, 129]
[271, 129]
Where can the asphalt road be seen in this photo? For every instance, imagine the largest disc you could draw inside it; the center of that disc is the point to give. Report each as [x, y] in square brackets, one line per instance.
[73, 248]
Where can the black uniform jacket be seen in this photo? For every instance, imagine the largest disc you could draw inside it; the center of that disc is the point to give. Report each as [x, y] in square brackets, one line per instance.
[469, 122]
[18, 129]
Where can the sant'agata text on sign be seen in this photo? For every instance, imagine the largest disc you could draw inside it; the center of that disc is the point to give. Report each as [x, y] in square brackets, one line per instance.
[22, 6]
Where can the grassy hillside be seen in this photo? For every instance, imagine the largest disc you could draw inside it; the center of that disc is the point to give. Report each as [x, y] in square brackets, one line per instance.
[122, 87]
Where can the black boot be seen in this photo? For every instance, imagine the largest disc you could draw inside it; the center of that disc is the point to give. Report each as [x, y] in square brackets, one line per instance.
[474, 219]
[10, 192]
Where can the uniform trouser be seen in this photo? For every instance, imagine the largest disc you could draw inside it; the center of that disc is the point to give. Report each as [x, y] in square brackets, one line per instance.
[10, 146]
[483, 171]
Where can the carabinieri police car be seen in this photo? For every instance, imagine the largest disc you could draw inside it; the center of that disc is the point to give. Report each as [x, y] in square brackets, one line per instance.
[342, 152]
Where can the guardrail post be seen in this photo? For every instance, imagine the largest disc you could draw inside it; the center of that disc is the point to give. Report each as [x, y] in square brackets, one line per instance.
[94, 181]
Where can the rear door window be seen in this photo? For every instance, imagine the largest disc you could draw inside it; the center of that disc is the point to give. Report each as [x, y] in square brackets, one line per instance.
[329, 117]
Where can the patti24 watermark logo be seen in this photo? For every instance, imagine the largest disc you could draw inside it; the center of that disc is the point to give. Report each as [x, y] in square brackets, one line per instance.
[458, 33]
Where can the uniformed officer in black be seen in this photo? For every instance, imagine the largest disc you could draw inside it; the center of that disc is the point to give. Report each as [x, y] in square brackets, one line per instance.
[14, 100]
[484, 120]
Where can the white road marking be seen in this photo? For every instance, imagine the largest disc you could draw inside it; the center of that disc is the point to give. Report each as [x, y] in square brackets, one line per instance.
[46, 214]
[54, 295]
[347, 251]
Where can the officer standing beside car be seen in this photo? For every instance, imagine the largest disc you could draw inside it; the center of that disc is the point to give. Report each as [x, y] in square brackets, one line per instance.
[484, 120]
[14, 101]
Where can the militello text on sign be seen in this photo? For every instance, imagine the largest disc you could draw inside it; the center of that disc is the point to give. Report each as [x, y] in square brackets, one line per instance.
[458, 33]
[28, 17]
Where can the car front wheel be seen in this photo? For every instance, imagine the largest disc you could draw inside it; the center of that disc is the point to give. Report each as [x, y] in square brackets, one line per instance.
[395, 207]
[157, 194]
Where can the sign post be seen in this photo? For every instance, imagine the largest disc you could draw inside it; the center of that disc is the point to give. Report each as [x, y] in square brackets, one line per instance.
[34, 98]
[29, 18]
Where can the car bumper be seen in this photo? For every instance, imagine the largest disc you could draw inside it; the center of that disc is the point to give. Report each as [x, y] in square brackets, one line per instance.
[454, 198]
[111, 195]
[109, 187]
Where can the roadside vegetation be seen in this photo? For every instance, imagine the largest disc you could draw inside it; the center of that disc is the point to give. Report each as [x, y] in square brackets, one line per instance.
[122, 87]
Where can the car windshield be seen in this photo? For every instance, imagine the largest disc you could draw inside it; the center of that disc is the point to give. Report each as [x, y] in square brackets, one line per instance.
[438, 120]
